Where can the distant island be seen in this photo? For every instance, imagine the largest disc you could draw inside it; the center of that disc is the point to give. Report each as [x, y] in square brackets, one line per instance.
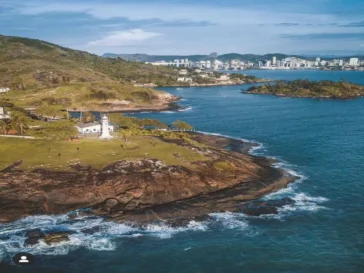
[310, 89]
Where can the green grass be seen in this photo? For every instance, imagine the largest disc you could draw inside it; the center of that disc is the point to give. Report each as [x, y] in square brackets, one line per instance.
[80, 96]
[98, 153]
[224, 166]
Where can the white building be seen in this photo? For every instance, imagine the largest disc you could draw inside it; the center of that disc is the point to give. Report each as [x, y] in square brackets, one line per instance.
[92, 128]
[184, 79]
[274, 61]
[183, 72]
[2, 114]
[4, 90]
[354, 62]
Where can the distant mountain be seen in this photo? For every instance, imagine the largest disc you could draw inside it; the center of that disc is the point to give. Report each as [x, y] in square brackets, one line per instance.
[223, 57]
[154, 58]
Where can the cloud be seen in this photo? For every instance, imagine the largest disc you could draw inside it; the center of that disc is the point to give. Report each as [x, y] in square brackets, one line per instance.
[287, 24]
[354, 24]
[124, 38]
[324, 36]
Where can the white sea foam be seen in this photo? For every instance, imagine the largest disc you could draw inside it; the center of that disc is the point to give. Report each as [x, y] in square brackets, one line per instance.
[253, 149]
[189, 108]
[230, 220]
[88, 232]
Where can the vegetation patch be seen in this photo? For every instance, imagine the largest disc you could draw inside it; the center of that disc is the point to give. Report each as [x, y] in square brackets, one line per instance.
[224, 166]
[310, 89]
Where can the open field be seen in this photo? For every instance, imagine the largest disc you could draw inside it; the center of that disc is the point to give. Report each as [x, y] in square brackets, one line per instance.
[98, 153]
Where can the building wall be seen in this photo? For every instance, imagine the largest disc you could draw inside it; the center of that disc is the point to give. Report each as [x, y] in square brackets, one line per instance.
[89, 130]
[93, 129]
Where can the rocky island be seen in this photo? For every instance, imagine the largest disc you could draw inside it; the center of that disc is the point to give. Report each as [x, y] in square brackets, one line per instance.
[310, 89]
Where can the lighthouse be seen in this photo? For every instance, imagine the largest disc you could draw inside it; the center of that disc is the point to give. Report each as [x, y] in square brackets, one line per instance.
[105, 134]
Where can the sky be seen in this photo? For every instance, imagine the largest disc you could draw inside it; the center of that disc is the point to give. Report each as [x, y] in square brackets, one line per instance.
[175, 27]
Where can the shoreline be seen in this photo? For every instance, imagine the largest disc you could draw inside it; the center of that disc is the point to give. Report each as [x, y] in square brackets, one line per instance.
[214, 84]
[172, 106]
[192, 193]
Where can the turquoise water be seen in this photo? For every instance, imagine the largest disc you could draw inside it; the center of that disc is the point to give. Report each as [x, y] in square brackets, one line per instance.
[321, 140]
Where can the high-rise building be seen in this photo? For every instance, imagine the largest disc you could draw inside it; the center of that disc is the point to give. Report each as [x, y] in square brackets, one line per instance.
[274, 60]
[260, 64]
[354, 62]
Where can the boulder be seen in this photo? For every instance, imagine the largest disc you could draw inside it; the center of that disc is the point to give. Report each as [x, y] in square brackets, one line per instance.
[33, 237]
[56, 237]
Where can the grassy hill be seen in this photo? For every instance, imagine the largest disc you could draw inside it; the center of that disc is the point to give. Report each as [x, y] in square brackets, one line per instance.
[29, 67]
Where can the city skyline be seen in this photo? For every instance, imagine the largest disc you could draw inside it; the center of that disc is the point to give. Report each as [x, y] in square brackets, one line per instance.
[324, 27]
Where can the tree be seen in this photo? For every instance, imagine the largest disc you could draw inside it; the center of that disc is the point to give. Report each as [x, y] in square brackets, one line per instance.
[47, 110]
[19, 121]
[125, 122]
[59, 130]
[4, 127]
[182, 125]
[88, 117]
[152, 123]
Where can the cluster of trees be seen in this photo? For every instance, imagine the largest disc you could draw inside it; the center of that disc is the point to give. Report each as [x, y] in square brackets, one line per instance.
[307, 88]
[19, 121]
[242, 77]
[135, 123]
[59, 130]
[47, 110]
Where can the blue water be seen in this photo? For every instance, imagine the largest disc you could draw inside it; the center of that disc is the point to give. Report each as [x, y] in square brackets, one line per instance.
[321, 140]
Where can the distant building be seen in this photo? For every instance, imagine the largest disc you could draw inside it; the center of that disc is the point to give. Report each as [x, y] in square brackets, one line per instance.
[184, 79]
[4, 90]
[3, 115]
[354, 62]
[274, 60]
[92, 128]
[224, 78]
[183, 72]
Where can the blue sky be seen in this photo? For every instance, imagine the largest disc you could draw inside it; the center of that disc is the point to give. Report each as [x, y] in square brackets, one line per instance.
[191, 26]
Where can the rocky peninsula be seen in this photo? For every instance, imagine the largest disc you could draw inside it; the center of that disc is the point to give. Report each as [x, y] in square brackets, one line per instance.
[310, 89]
[145, 189]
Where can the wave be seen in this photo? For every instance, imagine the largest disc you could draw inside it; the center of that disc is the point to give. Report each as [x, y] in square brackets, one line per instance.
[86, 232]
[189, 108]
[303, 201]
[257, 145]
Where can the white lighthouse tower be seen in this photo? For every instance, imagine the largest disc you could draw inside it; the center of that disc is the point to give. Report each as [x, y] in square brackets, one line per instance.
[105, 134]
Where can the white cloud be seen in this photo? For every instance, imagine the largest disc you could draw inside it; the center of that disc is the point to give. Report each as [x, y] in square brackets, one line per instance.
[124, 38]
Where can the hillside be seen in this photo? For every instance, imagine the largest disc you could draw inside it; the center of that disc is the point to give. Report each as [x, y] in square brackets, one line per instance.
[34, 67]
[310, 89]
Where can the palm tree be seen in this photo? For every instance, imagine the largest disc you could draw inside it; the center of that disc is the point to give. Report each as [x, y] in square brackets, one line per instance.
[4, 126]
[19, 121]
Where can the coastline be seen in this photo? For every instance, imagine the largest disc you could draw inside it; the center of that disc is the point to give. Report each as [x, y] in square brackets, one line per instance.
[177, 193]
[218, 84]
[171, 106]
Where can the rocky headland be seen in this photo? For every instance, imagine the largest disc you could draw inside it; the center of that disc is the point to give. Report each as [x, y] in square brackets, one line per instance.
[143, 190]
[309, 89]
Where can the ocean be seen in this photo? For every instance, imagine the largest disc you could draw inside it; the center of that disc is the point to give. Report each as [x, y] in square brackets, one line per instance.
[321, 141]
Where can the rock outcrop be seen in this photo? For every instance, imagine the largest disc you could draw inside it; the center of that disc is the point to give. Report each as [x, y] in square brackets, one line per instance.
[143, 189]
